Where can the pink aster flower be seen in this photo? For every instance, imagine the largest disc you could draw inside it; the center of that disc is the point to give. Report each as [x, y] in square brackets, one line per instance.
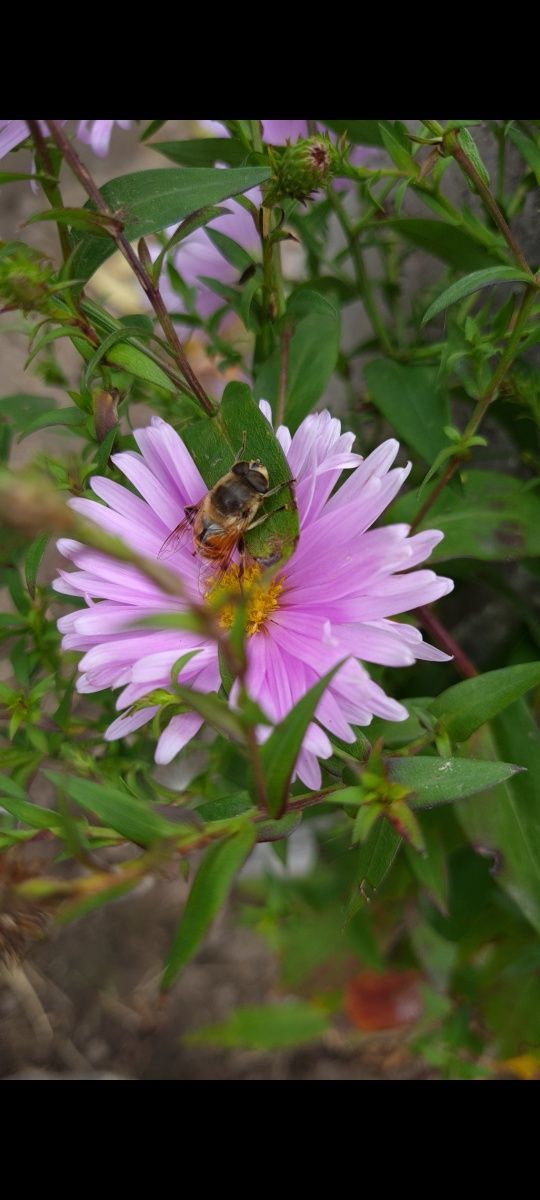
[197, 256]
[334, 599]
[96, 134]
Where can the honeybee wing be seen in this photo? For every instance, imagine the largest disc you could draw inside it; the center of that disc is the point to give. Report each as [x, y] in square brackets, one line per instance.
[175, 538]
[217, 557]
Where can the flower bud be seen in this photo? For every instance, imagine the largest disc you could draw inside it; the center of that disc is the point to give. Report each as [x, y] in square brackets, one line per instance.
[302, 169]
[105, 405]
[24, 278]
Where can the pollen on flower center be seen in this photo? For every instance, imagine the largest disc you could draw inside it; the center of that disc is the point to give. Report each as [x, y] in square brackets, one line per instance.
[261, 599]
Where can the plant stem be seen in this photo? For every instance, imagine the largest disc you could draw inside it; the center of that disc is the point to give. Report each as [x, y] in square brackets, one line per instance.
[151, 290]
[484, 402]
[453, 147]
[286, 335]
[52, 190]
[361, 276]
[447, 642]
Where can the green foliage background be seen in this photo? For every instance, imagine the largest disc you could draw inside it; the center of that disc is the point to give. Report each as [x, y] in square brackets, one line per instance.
[428, 834]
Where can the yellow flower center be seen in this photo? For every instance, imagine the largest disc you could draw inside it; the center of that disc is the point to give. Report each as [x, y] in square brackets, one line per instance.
[260, 600]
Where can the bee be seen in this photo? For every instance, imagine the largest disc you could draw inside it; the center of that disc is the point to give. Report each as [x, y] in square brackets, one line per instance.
[221, 518]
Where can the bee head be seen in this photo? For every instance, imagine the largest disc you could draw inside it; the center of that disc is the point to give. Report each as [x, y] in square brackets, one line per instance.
[254, 472]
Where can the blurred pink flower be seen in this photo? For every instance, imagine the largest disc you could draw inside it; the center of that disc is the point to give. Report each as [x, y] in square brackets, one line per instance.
[96, 133]
[331, 600]
[197, 256]
[12, 133]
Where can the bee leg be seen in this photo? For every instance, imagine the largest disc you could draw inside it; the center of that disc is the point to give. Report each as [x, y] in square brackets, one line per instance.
[279, 487]
[242, 448]
[261, 520]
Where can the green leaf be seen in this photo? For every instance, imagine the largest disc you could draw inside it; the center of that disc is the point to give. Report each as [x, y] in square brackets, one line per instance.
[231, 251]
[473, 283]
[127, 814]
[187, 227]
[214, 443]
[312, 356]
[226, 807]
[20, 409]
[454, 246]
[372, 864]
[203, 152]
[493, 516]
[429, 869]
[280, 752]
[149, 201]
[506, 823]
[32, 559]
[15, 176]
[466, 706]
[32, 814]
[459, 124]
[58, 416]
[399, 155]
[440, 781]
[102, 350]
[131, 359]
[399, 733]
[413, 402]
[214, 710]
[99, 224]
[268, 1027]
[151, 128]
[275, 831]
[210, 889]
[362, 133]
[528, 150]
[365, 819]
[468, 144]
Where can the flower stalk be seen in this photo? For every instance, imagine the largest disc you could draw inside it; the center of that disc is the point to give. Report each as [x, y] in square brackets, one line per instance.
[150, 288]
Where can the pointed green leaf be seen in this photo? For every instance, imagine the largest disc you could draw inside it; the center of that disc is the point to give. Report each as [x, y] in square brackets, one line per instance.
[413, 402]
[58, 416]
[149, 201]
[372, 864]
[439, 781]
[32, 560]
[473, 283]
[311, 356]
[469, 704]
[468, 144]
[203, 152]
[231, 251]
[460, 249]
[130, 816]
[99, 224]
[365, 819]
[529, 151]
[209, 891]
[362, 133]
[492, 516]
[280, 752]
[506, 822]
[20, 409]
[269, 1027]
[214, 710]
[429, 869]
[32, 814]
